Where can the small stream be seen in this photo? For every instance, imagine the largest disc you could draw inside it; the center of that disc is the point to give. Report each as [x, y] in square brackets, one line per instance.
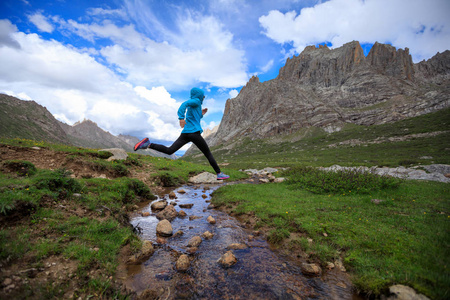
[260, 273]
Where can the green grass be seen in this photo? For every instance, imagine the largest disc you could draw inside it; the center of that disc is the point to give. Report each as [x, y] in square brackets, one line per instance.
[313, 148]
[404, 239]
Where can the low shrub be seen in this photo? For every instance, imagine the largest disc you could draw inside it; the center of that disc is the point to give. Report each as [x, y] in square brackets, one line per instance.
[168, 179]
[58, 181]
[341, 181]
[21, 167]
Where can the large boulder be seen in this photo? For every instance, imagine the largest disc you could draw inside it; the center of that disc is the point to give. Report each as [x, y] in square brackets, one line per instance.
[118, 154]
[402, 292]
[204, 177]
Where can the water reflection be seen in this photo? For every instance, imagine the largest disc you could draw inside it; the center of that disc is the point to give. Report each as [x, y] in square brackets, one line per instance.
[258, 274]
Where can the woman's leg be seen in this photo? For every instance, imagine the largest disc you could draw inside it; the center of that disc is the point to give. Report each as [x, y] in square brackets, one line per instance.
[180, 142]
[198, 141]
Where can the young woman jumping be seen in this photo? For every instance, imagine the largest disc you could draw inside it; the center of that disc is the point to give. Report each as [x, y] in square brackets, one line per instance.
[190, 122]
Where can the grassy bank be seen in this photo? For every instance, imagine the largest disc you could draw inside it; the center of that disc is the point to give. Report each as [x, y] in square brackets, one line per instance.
[62, 229]
[400, 238]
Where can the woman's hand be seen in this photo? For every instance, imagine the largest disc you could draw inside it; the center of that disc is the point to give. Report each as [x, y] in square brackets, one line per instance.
[204, 111]
[182, 123]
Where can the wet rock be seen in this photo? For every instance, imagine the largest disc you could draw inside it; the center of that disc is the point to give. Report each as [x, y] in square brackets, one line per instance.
[191, 218]
[159, 205]
[161, 240]
[207, 235]
[187, 205]
[192, 250]
[237, 246]
[164, 228]
[211, 220]
[182, 264]
[145, 214]
[338, 263]
[173, 203]
[204, 196]
[181, 191]
[149, 294]
[168, 213]
[178, 233]
[182, 214]
[204, 177]
[172, 195]
[195, 241]
[211, 206]
[311, 269]
[147, 250]
[227, 260]
[403, 292]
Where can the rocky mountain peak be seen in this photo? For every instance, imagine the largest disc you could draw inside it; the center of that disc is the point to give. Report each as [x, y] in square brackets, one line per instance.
[386, 59]
[327, 88]
[323, 66]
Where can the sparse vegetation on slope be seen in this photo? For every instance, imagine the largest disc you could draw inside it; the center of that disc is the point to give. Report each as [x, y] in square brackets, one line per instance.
[419, 140]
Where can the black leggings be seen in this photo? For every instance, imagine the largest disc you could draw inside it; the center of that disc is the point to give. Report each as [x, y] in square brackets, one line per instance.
[185, 138]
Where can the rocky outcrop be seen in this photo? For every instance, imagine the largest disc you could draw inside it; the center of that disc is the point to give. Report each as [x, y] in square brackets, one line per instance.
[328, 88]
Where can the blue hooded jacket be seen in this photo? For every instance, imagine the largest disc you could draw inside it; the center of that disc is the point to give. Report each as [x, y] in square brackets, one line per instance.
[194, 111]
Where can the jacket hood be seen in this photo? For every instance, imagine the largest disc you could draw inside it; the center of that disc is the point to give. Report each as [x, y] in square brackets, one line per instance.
[197, 93]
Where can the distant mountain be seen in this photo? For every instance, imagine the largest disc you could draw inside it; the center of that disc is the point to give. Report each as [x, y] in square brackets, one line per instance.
[29, 120]
[329, 88]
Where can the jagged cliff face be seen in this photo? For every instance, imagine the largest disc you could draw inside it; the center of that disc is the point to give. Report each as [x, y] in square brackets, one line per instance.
[327, 88]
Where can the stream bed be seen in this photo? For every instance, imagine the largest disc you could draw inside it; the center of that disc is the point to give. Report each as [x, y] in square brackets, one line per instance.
[260, 273]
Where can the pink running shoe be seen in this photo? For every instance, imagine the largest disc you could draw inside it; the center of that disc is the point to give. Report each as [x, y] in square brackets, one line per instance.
[222, 176]
[142, 144]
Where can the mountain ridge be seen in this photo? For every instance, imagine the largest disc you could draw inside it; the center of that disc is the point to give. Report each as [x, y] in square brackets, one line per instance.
[329, 88]
[30, 120]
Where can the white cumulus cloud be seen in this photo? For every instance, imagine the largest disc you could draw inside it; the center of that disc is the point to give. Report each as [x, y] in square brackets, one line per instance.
[41, 22]
[422, 26]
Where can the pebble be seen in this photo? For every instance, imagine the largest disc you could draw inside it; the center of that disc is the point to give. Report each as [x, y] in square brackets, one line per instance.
[211, 220]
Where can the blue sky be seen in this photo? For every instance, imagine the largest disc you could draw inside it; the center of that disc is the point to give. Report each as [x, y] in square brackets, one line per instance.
[128, 64]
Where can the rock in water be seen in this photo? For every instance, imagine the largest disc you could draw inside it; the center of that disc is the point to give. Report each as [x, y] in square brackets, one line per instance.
[168, 213]
[195, 241]
[227, 260]
[182, 263]
[211, 220]
[311, 269]
[164, 228]
[159, 205]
